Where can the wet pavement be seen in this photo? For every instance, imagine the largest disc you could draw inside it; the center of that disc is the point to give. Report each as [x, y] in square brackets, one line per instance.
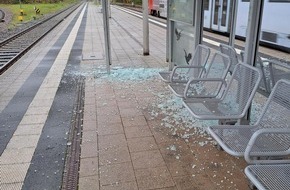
[135, 133]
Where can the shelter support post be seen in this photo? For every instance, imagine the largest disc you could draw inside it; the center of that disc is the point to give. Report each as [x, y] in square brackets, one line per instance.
[107, 34]
[145, 28]
[233, 23]
[252, 40]
[198, 22]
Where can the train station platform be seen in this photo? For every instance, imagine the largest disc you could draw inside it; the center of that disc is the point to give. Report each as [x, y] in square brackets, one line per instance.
[134, 133]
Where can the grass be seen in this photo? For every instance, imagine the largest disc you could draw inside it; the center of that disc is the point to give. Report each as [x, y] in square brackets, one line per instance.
[29, 12]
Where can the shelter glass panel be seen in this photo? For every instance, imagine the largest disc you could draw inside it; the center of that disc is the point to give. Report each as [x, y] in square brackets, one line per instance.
[274, 46]
[182, 43]
[181, 10]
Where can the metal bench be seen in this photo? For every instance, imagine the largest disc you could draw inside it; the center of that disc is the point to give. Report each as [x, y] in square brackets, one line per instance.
[231, 52]
[235, 101]
[275, 116]
[210, 83]
[183, 73]
[270, 174]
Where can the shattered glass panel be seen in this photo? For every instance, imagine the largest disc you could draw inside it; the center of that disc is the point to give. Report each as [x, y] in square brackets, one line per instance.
[182, 43]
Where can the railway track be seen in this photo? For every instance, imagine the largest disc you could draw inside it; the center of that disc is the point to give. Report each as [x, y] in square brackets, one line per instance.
[12, 48]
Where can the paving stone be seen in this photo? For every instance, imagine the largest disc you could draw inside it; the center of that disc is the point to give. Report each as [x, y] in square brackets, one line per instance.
[23, 141]
[142, 144]
[125, 97]
[104, 119]
[41, 103]
[90, 100]
[90, 110]
[188, 182]
[37, 111]
[108, 111]
[147, 159]
[105, 103]
[154, 178]
[33, 119]
[105, 97]
[102, 92]
[113, 155]
[110, 129]
[162, 138]
[47, 92]
[89, 149]
[17, 156]
[89, 136]
[14, 173]
[90, 182]
[130, 112]
[111, 174]
[131, 185]
[137, 131]
[169, 188]
[29, 129]
[127, 104]
[90, 116]
[134, 121]
[110, 141]
[89, 167]
[89, 125]
[8, 186]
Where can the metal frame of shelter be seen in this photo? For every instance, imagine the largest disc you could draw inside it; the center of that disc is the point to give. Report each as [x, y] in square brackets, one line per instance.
[106, 16]
[252, 36]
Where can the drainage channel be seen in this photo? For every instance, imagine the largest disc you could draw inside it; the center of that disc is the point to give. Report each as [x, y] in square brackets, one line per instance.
[70, 177]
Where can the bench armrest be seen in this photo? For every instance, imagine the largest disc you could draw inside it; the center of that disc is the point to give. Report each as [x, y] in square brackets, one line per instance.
[262, 132]
[189, 67]
[194, 80]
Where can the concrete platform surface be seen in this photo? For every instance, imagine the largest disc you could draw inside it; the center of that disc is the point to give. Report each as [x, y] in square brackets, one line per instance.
[135, 133]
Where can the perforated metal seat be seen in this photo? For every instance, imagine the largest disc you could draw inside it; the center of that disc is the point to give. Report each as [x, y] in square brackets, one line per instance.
[210, 83]
[183, 73]
[236, 99]
[269, 177]
[267, 134]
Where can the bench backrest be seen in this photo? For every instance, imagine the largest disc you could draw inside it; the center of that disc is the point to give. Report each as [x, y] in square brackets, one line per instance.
[241, 89]
[276, 113]
[218, 66]
[200, 58]
[231, 52]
